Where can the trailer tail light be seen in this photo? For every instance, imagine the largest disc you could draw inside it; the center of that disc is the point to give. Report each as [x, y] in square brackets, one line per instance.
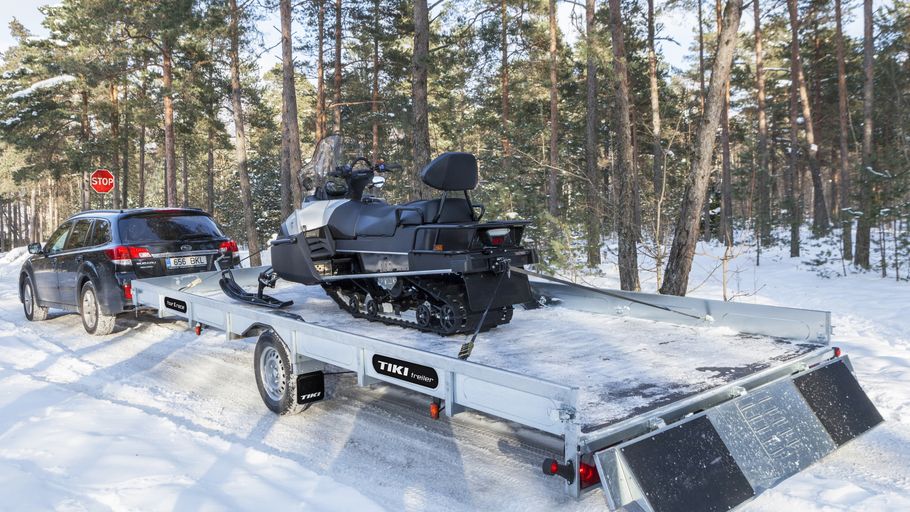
[837, 352]
[553, 467]
[587, 475]
[229, 246]
[124, 255]
[127, 291]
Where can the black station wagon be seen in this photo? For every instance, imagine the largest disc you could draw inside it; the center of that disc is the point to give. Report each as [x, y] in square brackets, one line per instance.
[88, 263]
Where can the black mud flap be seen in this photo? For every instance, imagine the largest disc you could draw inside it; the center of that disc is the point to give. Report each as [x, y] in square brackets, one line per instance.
[513, 290]
[310, 387]
[718, 459]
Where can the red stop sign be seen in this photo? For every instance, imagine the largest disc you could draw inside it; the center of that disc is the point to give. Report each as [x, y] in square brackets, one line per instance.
[102, 181]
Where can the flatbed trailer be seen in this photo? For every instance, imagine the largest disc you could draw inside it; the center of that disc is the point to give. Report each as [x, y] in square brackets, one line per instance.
[664, 411]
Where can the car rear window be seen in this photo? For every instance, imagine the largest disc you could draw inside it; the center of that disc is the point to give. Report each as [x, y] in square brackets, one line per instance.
[147, 228]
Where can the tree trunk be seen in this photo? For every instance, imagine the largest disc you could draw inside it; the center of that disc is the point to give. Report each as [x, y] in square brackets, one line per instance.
[320, 74]
[820, 221]
[419, 75]
[657, 148]
[593, 185]
[794, 180]
[115, 142]
[864, 225]
[86, 130]
[679, 264]
[552, 179]
[291, 163]
[764, 178]
[628, 235]
[246, 196]
[125, 188]
[142, 165]
[706, 214]
[336, 107]
[210, 170]
[843, 168]
[504, 87]
[726, 181]
[170, 144]
[186, 175]
[374, 93]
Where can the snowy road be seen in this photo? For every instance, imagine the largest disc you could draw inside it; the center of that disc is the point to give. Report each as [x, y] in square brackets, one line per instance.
[154, 418]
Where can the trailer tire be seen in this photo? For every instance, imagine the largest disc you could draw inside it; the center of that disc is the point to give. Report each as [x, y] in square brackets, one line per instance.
[275, 376]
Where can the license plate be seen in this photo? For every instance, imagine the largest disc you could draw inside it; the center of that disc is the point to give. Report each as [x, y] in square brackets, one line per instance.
[187, 261]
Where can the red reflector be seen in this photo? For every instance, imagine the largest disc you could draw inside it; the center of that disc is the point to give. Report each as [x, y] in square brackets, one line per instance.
[127, 291]
[434, 411]
[554, 467]
[587, 475]
[837, 351]
[229, 246]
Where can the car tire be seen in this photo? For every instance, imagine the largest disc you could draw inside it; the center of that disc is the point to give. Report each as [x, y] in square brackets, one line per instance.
[93, 319]
[274, 375]
[33, 311]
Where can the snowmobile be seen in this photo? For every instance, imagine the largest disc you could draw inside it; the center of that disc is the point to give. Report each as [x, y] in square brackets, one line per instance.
[434, 265]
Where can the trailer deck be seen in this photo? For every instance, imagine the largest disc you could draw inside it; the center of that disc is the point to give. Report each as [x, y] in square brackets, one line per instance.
[604, 374]
[622, 366]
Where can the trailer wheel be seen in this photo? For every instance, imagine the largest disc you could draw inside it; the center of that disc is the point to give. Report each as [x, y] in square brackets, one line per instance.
[275, 376]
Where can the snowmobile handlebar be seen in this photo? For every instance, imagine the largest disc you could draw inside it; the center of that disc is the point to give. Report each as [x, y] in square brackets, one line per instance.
[348, 170]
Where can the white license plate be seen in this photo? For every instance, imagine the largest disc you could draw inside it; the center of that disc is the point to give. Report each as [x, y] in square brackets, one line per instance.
[187, 261]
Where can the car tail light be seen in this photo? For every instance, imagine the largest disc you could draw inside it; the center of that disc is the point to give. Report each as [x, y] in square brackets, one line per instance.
[229, 246]
[124, 255]
[127, 291]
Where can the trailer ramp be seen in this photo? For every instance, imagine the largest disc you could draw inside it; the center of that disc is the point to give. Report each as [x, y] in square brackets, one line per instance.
[718, 459]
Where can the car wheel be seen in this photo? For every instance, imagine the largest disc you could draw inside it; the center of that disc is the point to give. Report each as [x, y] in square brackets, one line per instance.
[93, 319]
[274, 375]
[33, 311]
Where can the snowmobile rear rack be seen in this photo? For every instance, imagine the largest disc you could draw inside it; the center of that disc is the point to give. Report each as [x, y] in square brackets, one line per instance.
[734, 413]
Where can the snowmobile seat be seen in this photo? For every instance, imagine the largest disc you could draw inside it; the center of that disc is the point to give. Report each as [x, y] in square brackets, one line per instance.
[451, 172]
[454, 210]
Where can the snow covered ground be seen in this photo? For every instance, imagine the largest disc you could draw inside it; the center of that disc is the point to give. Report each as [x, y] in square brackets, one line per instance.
[154, 418]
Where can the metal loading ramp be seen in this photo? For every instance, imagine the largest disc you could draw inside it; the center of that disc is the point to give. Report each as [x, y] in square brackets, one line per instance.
[721, 458]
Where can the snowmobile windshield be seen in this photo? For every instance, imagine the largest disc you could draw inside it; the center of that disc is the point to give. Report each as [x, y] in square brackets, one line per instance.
[326, 157]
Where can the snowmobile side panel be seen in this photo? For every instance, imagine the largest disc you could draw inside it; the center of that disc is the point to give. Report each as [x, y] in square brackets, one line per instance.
[292, 260]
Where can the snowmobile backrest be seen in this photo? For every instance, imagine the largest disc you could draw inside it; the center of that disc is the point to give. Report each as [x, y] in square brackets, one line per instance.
[451, 172]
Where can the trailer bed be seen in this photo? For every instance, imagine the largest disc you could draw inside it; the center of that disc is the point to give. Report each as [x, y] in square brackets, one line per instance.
[622, 366]
[646, 387]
